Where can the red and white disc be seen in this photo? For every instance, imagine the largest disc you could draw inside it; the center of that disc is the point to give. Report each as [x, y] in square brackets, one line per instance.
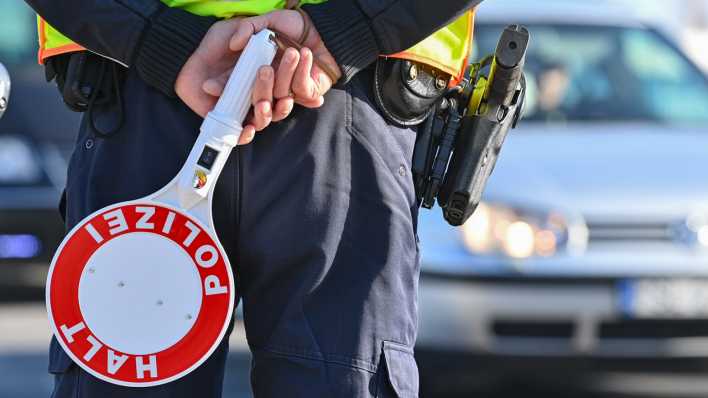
[140, 294]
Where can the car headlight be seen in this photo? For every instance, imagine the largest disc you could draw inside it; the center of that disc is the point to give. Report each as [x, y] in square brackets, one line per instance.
[19, 163]
[696, 228]
[516, 233]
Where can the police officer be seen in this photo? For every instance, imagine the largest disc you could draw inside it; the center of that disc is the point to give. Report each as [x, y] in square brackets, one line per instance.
[317, 214]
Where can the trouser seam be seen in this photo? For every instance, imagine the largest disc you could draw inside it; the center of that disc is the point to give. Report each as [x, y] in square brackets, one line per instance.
[77, 393]
[236, 210]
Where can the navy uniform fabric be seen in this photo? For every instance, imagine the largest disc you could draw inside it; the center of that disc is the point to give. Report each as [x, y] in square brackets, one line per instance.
[318, 219]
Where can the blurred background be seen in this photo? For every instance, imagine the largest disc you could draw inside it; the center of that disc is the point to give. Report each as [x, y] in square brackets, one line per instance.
[583, 274]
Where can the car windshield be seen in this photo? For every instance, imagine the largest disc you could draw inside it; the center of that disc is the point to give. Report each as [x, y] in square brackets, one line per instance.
[18, 36]
[605, 73]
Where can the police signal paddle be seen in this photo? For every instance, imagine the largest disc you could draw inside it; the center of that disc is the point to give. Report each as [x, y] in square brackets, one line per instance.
[140, 293]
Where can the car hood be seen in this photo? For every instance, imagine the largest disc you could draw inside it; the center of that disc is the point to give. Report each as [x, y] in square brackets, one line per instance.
[604, 171]
[617, 184]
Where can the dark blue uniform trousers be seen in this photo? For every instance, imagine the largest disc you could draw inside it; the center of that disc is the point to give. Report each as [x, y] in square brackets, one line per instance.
[318, 218]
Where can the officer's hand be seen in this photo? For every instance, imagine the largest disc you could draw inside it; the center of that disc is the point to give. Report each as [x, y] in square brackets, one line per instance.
[213, 58]
[296, 77]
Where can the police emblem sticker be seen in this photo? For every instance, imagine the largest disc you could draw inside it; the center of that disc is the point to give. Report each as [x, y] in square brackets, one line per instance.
[140, 295]
[200, 179]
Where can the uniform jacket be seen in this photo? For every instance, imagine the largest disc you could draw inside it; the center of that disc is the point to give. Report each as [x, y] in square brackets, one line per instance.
[134, 32]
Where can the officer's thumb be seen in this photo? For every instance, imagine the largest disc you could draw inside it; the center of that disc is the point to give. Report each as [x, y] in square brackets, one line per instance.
[247, 28]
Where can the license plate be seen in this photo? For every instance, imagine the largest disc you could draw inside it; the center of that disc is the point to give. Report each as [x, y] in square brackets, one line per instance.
[664, 298]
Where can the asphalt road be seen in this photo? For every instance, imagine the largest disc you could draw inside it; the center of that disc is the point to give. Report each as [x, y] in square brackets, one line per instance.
[25, 376]
[24, 334]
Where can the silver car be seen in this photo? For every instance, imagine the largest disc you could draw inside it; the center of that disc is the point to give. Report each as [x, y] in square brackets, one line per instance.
[588, 259]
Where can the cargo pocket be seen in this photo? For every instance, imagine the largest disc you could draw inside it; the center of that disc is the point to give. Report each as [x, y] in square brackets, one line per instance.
[399, 376]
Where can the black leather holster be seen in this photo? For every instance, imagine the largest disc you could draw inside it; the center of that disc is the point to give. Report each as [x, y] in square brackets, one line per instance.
[406, 91]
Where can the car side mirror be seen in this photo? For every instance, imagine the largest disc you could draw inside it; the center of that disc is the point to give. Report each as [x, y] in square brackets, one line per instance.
[4, 89]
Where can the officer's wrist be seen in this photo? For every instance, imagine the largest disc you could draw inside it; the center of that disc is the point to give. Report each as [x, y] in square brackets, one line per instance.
[346, 34]
[168, 42]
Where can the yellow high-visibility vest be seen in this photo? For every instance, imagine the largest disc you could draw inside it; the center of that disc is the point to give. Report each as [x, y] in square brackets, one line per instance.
[447, 49]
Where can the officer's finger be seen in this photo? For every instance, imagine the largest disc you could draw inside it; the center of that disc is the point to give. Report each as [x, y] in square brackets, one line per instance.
[262, 115]
[262, 98]
[247, 135]
[322, 83]
[282, 108]
[283, 79]
[215, 86]
[286, 70]
[303, 87]
[316, 103]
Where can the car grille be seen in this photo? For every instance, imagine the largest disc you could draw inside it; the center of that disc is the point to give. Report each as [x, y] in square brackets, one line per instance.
[601, 338]
[533, 329]
[623, 231]
[653, 329]
[616, 329]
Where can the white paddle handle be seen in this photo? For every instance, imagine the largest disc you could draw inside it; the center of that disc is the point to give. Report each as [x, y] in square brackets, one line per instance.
[222, 126]
[234, 103]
